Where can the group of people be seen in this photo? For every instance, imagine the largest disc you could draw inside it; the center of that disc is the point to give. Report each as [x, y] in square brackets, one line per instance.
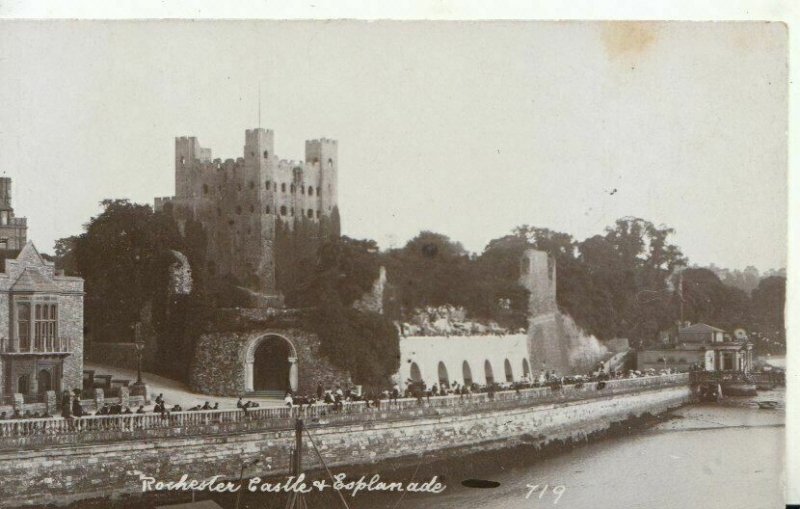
[16, 414]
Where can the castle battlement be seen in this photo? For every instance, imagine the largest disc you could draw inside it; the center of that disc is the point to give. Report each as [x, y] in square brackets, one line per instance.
[240, 201]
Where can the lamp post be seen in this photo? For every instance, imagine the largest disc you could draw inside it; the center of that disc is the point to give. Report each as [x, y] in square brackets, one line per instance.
[241, 479]
[139, 342]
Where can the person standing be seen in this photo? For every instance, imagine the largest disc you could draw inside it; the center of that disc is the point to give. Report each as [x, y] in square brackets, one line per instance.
[66, 405]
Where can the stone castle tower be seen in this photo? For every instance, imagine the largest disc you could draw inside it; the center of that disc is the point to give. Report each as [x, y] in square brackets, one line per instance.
[243, 204]
[547, 347]
[13, 230]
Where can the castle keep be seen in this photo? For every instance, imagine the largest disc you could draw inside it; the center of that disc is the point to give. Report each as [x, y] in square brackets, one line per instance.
[243, 204]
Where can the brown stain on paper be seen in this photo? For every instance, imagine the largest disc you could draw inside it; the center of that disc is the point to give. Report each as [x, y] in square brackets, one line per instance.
[628, 38]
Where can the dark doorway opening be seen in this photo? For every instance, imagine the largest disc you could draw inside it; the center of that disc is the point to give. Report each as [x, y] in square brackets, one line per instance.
[44, 381]
[271, 366]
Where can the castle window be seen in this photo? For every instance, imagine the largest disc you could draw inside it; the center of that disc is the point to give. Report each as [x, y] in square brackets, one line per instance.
[183, 161]
[283, 187]
[252, 154]
[230, 222]
[291, 188]
[302, 189]
[266, 154]
[252, 209]
[283, 210]
[3, 243]
[274, 186]
[330, 163]
[317, 191]
[310, 191]
[238, 209]
[292, 211]
[205, 188]
[267, 209]
[315, 160]
[252, 185]
[310, 214]
[266, 185]
[318, 214]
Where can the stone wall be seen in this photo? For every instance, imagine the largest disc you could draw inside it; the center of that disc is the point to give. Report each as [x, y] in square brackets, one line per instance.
[454, 351]
[219, 366]
[69, 473]
[119, 355]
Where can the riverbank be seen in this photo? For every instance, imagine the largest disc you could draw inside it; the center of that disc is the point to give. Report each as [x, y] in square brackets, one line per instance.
[727, 455]
[112, 469]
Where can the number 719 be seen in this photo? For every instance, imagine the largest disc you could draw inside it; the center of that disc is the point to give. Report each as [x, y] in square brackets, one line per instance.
[557, 491]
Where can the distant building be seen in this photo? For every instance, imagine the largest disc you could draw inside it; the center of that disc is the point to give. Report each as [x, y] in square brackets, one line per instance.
[41, 315]
[700, 333]
[699, 346]
[13, 230]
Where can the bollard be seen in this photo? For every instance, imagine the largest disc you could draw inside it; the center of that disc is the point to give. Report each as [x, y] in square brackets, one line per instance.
[99, 398]
[52, 402]
[124, 396]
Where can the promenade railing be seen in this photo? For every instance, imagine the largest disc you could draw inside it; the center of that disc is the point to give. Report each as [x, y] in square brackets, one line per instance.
[28, 433]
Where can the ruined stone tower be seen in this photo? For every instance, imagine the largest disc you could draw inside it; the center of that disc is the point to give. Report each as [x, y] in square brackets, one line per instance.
[242, 204]
[547, 347]
[13, 230]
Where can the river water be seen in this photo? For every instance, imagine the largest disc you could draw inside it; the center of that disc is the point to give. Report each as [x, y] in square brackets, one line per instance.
[710, 456]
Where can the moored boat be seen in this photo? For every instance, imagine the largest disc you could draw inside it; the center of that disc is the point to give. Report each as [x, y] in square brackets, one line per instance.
[738, 388]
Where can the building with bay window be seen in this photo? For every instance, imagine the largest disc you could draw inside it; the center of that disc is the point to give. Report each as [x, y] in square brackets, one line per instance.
[41, 327]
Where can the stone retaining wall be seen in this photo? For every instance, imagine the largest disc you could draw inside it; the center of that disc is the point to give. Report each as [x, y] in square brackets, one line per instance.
[74, 472]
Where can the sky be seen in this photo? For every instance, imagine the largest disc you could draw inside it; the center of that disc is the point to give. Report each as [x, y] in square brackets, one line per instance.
[464, 128]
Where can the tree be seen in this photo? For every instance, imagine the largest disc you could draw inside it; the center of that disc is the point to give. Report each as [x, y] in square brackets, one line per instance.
[364, 343]
[768, 303]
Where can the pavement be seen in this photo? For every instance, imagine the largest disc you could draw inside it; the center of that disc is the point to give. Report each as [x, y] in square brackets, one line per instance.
[174, 391]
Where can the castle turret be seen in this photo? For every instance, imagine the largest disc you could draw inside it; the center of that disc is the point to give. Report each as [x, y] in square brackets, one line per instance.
[324, 152]
[188, 153]
[13, 230]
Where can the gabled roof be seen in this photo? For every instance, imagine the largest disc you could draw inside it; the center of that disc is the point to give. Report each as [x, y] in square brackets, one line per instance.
[31, 280]
[30, 255]
[699, 328]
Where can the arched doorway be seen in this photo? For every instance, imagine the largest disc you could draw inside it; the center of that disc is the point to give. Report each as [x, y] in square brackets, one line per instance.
[444, 381]
[271, 365]
[487, 368]
[509, 373]
[526, 369]
[23, 384]
[44, 381]
[467, 373]
[416, 376]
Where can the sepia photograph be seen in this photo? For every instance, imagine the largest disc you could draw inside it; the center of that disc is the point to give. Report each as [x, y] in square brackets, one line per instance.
[391, 264]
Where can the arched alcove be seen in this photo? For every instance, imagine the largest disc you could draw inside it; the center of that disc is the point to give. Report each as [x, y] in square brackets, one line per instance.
[416, 375]
[526, 369]
[487, 368]
[467, 373]
[509, 373]
[44, 381]
[270, 364]
[444, 381]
